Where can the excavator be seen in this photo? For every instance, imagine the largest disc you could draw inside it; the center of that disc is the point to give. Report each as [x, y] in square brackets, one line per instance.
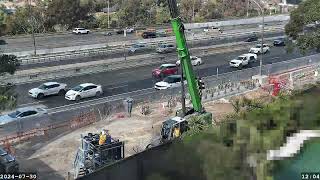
[194, 85]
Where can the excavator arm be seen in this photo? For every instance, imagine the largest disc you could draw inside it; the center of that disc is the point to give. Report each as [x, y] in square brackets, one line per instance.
[184, 56]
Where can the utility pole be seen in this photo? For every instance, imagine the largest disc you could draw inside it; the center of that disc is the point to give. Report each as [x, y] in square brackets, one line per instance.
[248, 4]
[262, 38]
[108, 14]
[32, 28]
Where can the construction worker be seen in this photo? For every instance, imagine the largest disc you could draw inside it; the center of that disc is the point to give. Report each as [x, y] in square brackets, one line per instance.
[176, 132]
[103, 137]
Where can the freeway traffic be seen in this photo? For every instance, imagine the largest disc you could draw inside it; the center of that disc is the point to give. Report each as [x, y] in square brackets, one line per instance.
[67, 40]
[118, 54]
[121, 81]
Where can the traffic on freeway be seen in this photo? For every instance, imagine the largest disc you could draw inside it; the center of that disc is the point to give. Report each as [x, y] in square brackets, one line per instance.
[127, 80]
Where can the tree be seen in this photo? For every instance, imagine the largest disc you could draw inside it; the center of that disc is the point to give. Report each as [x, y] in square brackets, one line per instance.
[66, 13]
[308, 37]
[8, 64]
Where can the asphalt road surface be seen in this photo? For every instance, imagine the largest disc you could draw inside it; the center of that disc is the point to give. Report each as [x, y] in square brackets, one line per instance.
[145, 51]
[126, 80]
[25, 43]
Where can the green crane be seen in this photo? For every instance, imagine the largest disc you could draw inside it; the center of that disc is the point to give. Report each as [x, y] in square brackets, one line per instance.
[184, 56]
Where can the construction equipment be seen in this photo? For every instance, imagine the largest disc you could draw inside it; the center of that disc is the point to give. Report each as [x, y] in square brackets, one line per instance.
[195, 85]
[91, 156]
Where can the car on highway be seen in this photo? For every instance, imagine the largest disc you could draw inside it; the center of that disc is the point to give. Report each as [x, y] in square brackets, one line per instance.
[252, 38]
[146, 35]
[165, 48]
[108, 34]
[195, 61]
[171, 81]
[137, 48]
[257, 49]
[80, 31]
[212, 29]
[279, 42]
[165, 70]
[47, 89]
[84, 91]
[243, 60]
[23, 114]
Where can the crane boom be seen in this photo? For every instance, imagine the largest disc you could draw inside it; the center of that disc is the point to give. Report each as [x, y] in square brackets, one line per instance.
[184, 56]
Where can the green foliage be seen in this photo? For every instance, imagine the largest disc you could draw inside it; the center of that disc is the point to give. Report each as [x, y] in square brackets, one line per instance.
[8, 64]
[8, 99]
[26, 19]
[67, 12]
[306, 13]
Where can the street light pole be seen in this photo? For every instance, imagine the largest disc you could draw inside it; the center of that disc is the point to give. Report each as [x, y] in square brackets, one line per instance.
[108, 14]
[32, 28]
[262, 38]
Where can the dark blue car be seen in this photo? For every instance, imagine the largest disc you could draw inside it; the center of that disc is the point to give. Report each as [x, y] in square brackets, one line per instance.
[279, 42]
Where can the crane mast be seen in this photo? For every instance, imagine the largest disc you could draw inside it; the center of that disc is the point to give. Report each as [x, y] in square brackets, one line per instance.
[184, 56]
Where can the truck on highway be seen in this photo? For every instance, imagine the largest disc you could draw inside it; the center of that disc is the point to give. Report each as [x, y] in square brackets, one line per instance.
[243, 60]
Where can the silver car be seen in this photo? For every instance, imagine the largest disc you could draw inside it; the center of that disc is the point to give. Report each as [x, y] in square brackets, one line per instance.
[26, 116]
[137, 48]
[165, 48]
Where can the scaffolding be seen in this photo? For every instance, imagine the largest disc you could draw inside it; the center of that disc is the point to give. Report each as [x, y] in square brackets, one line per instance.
[91, 156]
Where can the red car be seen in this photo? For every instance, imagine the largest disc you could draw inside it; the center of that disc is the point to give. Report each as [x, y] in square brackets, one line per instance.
[165, 70]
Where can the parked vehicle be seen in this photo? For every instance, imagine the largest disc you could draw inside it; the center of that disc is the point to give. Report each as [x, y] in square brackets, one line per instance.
[171, 81]
[243, 60]
[8, 163]
[80, 31]
[146, 35]
[165, 70]
[195, 61]
[26, 113]
[137, 47]
[48, 88]
[257, 49]
[252, 38]
[84, 91]
[165, 48]
[279, 42]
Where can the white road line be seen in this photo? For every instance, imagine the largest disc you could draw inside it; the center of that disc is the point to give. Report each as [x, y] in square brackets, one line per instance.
[275, 58]
[119, 86]
[27, 104]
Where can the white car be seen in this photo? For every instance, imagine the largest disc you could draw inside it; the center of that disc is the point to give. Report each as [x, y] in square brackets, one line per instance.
[80, 31]
[84, 91]
[171, 81]
[257, 49]
[137, 47]
[195, 61]
[243, 60]
[48, 88]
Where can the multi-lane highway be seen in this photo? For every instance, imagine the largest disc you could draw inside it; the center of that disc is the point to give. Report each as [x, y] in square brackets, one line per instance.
[127, 80]
[25, 43]
[118, 54]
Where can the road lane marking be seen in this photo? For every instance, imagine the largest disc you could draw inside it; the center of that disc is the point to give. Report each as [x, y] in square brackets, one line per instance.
[27, 104]
[121, 86]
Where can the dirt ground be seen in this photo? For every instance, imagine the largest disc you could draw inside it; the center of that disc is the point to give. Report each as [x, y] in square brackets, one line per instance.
[54, 159]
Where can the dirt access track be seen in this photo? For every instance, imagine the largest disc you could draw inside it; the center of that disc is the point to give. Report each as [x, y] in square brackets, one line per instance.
[53, 158]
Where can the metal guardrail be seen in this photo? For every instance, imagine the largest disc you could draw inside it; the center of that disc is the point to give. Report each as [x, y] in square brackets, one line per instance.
[125, 47]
